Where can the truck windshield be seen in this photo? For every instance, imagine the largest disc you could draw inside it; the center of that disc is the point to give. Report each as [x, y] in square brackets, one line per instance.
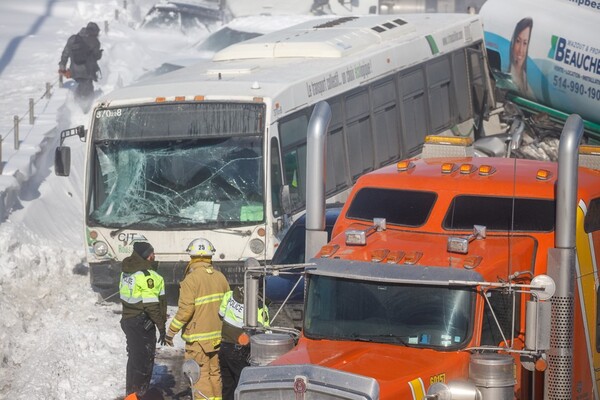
[403, 314]
[184, 178]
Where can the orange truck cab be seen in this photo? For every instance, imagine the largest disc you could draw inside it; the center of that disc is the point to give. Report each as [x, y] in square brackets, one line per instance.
[452, 278]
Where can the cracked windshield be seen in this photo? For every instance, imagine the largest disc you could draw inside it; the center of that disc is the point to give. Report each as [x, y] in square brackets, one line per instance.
[180, 179]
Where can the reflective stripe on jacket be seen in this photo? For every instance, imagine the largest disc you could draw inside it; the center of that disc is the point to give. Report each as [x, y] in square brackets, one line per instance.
[200, 296]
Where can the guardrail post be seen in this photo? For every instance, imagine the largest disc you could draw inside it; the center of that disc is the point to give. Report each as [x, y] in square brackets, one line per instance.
[31, 117]
[125, 4]
[116, 15]
[48, 88]
[105, 27]
[16, 132]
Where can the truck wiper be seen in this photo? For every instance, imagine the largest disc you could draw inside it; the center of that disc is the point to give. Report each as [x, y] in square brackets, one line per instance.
[381, 338]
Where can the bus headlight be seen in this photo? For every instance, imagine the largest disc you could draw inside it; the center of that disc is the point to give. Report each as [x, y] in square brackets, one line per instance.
[100, 249]
[257, 246]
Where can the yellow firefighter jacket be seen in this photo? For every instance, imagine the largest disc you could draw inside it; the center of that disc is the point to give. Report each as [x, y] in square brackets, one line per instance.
[200, 296]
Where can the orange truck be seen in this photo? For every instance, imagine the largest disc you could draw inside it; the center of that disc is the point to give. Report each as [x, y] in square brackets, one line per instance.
[449, 277]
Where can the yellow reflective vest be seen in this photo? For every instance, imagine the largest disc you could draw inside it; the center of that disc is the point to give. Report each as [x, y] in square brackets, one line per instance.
[142, 290]
[232, 312]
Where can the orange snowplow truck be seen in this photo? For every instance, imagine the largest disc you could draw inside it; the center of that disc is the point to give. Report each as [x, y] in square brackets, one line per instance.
[452, 277]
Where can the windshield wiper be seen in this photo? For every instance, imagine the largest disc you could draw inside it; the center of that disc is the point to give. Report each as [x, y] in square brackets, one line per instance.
[234, 232]
[381, 338]
[121, 229]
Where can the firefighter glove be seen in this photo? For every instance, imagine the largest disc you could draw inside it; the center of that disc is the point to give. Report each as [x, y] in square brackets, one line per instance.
[168, 341]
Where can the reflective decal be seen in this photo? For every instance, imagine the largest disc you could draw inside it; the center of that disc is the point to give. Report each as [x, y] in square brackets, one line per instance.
[417, 388]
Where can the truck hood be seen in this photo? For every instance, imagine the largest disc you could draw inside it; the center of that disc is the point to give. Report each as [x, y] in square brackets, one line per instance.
[401, 371]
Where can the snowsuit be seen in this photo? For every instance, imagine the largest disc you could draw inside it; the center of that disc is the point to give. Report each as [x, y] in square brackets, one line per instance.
[85, 72]
[200, 295]
[142, 292]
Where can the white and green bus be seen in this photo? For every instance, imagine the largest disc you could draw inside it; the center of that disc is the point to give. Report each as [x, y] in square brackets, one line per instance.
[218, 150]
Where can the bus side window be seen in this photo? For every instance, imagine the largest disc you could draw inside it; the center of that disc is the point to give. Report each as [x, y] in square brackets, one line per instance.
[460, 82]
[292, 133]
[276, 181]
[438, 79]
[479, 78]
[386, 123]
[414, 110]
[358, 134]
[337, 167]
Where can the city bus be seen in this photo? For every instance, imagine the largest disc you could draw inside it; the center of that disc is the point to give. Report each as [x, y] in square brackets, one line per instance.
[218, 149]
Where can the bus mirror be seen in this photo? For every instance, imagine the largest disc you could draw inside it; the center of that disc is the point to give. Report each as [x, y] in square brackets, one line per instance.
[62, 161]
[80, 131]
[286, 202]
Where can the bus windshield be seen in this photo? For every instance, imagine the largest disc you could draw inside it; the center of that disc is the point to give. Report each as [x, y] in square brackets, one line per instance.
[178, 181]
[384, 312]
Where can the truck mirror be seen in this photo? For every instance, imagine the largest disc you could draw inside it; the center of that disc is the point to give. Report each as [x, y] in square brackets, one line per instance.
[543, 286]
[286, 202]
[62, 161]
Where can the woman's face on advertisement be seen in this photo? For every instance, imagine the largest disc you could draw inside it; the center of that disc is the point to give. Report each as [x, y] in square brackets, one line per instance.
[520, 47]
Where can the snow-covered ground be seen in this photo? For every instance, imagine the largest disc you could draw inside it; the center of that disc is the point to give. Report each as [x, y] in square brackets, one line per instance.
[56, 340]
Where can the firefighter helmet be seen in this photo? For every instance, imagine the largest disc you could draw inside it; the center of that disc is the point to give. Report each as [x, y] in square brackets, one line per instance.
[200, 248]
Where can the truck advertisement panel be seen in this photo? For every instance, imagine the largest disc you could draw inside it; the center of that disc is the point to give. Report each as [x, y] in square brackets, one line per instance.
[548, 50]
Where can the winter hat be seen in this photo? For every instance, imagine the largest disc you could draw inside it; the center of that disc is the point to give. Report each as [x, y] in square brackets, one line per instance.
[144, 249]
[92, 28]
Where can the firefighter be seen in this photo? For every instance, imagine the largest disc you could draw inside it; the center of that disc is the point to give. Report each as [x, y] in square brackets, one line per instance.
[142, 292]
[234, 356]
[200, 296]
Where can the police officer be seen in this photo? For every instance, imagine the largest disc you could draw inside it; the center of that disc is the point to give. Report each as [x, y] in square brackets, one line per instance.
[142, 292]
[233, 356]
[200, 295]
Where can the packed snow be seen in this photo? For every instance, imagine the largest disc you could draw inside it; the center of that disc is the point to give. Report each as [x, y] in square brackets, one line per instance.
[57, 339]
